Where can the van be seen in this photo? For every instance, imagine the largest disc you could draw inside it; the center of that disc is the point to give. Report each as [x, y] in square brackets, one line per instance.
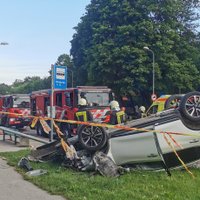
[165, 102]
[158, 105]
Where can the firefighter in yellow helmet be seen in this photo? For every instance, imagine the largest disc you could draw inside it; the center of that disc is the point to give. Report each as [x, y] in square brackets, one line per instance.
[115, 115]
[83, 114]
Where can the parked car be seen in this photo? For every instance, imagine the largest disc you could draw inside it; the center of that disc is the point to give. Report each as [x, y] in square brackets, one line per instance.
[145, 145]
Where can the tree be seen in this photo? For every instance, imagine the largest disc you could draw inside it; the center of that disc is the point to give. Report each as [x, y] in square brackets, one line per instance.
[107, 47]
[30, 84]
[4, 89]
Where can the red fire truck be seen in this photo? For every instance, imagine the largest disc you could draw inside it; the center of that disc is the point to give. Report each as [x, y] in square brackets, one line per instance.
[16, 103]
[66, 104]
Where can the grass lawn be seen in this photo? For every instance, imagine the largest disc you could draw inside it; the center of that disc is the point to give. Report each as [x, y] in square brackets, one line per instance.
[134, 185]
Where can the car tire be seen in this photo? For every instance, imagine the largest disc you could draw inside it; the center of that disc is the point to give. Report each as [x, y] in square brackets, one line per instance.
[92, 138]
[173, 101]
[189, 124]
[190, 106]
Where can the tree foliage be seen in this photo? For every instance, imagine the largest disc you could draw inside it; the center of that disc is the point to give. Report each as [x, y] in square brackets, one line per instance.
[26, 86]
[30, 84]
[107, 47]
[4, 89]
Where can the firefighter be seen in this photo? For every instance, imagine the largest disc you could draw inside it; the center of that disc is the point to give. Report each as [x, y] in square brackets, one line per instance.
[83, 114]
[142, 110]
[83, 96]
[115, 115]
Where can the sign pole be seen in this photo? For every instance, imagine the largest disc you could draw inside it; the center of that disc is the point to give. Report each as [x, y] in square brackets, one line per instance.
[52, 94]
[58, 81]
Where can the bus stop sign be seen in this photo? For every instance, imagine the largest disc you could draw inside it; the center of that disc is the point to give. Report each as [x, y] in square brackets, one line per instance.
[60, 77]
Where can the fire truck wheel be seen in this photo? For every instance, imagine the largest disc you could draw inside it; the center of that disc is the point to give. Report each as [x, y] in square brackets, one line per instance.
[40, 130]
[4, 121]
[92, 138]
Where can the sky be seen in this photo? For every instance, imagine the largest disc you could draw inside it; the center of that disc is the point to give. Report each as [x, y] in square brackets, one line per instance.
[37, 32]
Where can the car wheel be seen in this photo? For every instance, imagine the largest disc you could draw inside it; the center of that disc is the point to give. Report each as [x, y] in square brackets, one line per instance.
[173, 101]
[190, 106]
[92, 138]
[189, 124]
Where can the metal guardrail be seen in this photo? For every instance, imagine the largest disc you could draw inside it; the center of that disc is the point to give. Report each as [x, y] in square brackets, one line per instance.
[17, 133]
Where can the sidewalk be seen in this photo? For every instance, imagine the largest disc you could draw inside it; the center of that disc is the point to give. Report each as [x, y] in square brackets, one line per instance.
[12, 184]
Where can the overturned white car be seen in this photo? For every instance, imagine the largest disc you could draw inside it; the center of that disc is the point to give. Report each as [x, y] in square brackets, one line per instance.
[150, 141]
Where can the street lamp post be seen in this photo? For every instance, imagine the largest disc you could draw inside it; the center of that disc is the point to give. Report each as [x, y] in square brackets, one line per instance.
[147, 49]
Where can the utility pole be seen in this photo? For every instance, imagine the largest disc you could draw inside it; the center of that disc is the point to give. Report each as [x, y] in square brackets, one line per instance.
[153, 73]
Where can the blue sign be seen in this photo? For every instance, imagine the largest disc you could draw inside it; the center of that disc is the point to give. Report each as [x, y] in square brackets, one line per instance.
[60, 77]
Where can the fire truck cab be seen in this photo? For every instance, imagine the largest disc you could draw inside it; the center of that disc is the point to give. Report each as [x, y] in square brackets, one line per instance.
[18, 105]
[65, 103]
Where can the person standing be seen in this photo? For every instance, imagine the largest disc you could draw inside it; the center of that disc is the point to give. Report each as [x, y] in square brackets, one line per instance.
[115, 115]
[83, 114]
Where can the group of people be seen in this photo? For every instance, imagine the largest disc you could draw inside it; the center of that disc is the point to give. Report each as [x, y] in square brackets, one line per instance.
[114, 116]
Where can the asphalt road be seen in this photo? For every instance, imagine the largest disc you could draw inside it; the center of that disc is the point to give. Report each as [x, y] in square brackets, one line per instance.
[12, 184]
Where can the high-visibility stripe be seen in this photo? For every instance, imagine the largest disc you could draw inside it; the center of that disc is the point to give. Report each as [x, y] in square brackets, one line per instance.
[99, 113]
[119, 116]
[25, 112]
[82, 114]
[161, 99]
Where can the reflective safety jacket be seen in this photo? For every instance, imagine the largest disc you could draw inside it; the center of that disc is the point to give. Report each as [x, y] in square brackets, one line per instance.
[84, 115]
[115, 117]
